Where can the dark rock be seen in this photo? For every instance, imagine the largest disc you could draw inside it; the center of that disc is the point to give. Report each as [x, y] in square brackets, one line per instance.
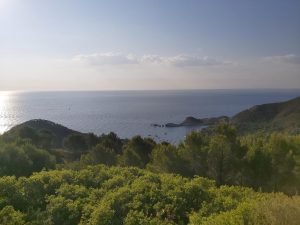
[172, 125]
[192, 121]
[157, 125]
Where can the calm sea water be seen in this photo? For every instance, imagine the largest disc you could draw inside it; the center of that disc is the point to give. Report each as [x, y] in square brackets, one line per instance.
[130, 113]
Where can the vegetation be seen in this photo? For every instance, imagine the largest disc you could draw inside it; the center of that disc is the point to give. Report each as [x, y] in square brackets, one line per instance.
[23, 159]
[266, 162]
[283, 116]
[116, 195]
[209, 178]
[40, 131]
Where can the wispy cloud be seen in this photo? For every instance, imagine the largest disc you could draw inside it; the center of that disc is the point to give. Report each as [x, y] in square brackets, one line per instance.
[182, 60]
[290, 58]
[109, 58]
[194, 61]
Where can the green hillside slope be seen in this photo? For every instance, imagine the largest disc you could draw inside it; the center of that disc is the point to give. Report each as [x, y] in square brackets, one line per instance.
[283, 116]
[31, 128]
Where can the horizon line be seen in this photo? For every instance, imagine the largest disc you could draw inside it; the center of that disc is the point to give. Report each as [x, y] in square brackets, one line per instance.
[151, 90]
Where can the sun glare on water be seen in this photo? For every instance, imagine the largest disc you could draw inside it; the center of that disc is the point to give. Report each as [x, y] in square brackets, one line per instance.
[4, 102]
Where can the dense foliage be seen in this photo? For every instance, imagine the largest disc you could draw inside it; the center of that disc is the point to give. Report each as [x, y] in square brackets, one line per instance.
[115, 195]
[264, 162]
[22, 159]
[137, 181]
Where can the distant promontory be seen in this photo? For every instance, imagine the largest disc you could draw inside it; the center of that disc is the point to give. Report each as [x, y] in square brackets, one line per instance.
[281, 116]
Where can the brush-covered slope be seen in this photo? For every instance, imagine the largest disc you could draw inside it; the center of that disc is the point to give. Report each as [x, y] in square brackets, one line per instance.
[31, 128]
[283, 116]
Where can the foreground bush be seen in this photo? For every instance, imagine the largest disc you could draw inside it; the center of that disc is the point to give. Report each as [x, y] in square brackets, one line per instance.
[114, 195]
[272, 209]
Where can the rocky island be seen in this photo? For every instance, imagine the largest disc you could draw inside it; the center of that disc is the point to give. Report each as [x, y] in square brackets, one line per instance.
[192, 121]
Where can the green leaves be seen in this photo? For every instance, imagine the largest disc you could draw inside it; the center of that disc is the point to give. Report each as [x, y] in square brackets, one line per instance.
[100, 155]
[23, 160]
[167, 159]
[271, 209]
[120, 195]
[172, 193]
[9, 216]
[137, 152]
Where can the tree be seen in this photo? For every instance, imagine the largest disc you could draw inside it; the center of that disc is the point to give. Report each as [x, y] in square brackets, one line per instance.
[24, 160]
[194, 151]
[137, 151]
[103, 215]
[112, 141]
[224, 155]
[100, 155]
[166, 159]
[76, 143]
[91, 140]
[285, 152]
[14, 161]
[28, 133]
[257, 169]
[9, 216]
[63, 211]
[45, 139]
[40, 158]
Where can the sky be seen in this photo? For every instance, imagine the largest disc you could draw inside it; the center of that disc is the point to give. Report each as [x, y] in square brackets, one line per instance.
[149, 44]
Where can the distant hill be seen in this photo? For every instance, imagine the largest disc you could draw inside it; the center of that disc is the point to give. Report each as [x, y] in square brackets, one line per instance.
[282, 116]
[57, 131]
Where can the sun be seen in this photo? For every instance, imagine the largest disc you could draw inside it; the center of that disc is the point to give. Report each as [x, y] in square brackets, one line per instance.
[4, 3]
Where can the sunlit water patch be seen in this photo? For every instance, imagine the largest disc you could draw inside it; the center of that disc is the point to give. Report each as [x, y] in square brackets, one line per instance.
[5, 116]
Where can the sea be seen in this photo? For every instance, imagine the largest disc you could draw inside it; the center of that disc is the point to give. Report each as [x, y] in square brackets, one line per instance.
[130, 113]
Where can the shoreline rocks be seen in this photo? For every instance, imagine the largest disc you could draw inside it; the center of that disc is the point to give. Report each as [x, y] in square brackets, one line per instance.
[192, 121]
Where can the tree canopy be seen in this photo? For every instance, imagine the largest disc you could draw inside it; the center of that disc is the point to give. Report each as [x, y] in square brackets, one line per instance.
[209, 178]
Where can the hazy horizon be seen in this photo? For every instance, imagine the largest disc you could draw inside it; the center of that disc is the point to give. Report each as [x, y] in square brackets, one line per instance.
[152, 90]
[149, 45]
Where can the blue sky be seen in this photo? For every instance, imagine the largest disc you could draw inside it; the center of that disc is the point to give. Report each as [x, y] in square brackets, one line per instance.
[149, 44]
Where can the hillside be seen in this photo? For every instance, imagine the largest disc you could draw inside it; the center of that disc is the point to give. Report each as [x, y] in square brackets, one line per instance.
[57, 131]
[282, 116]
